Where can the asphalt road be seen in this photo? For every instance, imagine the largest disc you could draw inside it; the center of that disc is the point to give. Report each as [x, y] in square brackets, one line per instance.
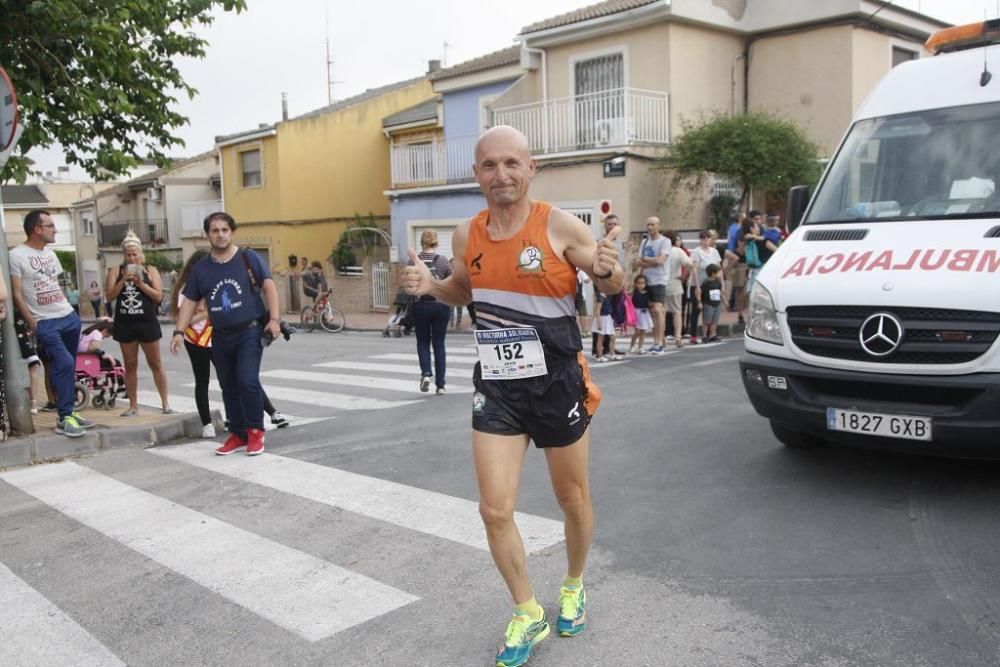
[355, 540]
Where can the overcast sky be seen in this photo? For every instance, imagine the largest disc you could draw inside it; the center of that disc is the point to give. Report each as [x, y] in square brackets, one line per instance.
[280, 46]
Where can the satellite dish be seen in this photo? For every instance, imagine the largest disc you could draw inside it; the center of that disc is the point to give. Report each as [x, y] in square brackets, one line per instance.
[8, 110]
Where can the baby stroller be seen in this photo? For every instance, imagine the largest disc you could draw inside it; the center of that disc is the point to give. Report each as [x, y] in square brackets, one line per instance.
[401, 322]
[100, 379]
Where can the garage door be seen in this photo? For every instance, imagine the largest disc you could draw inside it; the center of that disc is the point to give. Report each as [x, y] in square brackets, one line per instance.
[444, 239]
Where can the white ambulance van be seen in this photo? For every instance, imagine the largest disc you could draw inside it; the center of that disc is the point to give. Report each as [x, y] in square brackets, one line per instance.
[876, 322]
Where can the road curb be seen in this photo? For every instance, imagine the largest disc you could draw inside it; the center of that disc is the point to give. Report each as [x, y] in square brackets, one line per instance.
[47, 447]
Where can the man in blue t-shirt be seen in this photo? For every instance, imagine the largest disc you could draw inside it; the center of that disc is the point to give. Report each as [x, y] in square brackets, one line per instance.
[242, 303]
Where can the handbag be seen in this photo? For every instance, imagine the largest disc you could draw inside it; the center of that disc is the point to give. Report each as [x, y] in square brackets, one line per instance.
[752, 255]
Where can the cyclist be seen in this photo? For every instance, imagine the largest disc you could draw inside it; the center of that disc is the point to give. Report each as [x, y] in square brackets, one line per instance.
[314, 282]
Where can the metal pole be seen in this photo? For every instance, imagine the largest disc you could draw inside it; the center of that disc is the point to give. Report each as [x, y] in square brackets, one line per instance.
[17, 384]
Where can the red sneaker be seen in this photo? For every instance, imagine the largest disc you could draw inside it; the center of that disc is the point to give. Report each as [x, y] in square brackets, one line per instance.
[255, 441]
[232, 443]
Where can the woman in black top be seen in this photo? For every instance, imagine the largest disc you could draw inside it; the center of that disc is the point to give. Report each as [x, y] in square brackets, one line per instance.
[137, 291]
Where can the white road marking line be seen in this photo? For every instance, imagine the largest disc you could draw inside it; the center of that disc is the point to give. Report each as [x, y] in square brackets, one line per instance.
[33, 631]
[411, 371]
[187, 404]
[712, 362]
[412, 358]
[603, 364]
[323, 398]
[437, 514]
[367, 381]
[297, 591]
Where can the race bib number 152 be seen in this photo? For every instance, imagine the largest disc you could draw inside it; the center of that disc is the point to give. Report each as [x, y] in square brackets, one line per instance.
[510, 354]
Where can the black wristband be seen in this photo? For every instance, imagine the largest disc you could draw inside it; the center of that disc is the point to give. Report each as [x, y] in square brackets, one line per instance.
[606, 275]
[178, 332]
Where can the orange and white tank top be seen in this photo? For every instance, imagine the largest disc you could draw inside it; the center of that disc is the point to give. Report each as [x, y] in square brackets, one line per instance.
[521, 282]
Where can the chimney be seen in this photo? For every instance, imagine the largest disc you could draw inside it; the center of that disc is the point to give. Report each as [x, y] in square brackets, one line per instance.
[284, 106]
[433, 66]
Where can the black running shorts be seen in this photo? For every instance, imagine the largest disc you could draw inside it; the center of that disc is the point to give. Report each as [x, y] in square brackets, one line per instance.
[142, 331]
[554, 410]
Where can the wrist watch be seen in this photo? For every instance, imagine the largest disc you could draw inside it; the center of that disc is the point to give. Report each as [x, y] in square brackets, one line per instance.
[178, 332]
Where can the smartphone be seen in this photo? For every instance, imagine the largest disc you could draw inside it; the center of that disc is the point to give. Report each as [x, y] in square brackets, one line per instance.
[133, 268]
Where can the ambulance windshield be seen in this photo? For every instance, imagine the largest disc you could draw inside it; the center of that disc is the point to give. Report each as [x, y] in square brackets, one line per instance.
[936, 164]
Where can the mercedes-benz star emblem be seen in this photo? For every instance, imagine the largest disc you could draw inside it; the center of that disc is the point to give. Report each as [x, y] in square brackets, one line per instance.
[880, 334]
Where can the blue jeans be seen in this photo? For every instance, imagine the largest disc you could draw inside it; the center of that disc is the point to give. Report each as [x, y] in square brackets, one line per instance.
[60, 337]
[430, 318]
[236, 357]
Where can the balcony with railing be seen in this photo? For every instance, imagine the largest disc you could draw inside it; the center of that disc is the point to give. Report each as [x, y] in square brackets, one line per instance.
[438, 162]
[618, 117]
[152, 232]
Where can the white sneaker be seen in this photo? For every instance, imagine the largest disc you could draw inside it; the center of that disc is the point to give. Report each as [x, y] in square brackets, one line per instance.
[670, 339]
[208, 431]
[600, 360]
[279, 420]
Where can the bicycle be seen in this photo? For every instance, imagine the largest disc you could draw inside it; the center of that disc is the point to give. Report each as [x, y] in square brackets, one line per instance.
[324, 314]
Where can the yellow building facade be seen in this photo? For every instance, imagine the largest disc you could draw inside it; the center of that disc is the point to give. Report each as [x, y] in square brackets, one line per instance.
[294, 186]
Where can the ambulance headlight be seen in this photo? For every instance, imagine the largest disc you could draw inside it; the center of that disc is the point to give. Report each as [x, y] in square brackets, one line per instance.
[763, 321]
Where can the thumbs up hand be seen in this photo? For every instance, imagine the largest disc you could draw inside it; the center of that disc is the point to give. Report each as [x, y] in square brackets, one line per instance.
[606, 255]
[416, 276]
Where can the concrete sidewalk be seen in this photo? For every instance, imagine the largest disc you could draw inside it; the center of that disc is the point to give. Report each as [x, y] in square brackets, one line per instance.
[729, 324]
[112, 431]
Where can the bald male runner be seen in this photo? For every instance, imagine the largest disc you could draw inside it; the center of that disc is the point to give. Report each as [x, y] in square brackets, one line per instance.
[516, 262]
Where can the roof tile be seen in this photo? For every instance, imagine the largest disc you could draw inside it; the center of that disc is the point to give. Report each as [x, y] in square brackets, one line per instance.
[606, 8]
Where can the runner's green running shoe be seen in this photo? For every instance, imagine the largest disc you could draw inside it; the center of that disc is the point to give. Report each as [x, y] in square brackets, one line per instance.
[522, 635]
[572, 611]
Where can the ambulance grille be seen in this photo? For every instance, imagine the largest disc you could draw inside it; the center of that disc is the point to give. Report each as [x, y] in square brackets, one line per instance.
[931, 335]
[836, 234]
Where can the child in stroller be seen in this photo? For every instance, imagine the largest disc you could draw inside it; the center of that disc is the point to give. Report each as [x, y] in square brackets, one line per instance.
[400, 323]
[100, 378]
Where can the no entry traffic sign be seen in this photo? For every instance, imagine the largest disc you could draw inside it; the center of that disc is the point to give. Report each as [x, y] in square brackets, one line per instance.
[8, 110]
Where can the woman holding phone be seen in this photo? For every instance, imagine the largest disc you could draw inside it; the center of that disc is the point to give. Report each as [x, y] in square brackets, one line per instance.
[137, 290]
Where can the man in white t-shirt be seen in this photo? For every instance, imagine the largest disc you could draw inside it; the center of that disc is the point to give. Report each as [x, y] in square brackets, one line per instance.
[702, 257]
[677, 262]
[34, 279]
[653, 255]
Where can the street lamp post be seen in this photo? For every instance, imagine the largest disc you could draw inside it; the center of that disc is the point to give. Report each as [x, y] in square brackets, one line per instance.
[17, 384]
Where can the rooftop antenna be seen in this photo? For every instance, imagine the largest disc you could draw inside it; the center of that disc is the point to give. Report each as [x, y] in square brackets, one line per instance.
[330, 82]
[985, 77]
[444, 57]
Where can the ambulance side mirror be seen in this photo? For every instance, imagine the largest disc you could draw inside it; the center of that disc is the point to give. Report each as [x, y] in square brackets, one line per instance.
[798, 200]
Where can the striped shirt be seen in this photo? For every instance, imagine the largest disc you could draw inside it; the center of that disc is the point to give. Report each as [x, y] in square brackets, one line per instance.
[439, 266]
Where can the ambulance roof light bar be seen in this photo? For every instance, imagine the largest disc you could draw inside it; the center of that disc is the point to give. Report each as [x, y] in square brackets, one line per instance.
[964, 37]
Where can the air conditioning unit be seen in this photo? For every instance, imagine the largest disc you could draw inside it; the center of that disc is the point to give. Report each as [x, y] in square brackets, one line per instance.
[610, 132]
[154, 194]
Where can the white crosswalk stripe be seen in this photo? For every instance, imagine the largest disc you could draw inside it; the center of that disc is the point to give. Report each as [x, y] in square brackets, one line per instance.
[452, 359]
[389, 384]
[33, 631]
[282, 584]
[321, 398]
[295, 590]
[407, 370]
[187, 404]
[425, 511]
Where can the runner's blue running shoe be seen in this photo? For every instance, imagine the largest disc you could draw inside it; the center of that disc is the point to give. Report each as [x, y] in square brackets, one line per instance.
[572, 611]
[522, 635]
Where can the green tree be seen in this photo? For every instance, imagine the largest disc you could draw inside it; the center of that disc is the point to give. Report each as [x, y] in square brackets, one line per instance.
[343, 254]
[761, 151]
[99, 76]
[67, 258]
[161, 261]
